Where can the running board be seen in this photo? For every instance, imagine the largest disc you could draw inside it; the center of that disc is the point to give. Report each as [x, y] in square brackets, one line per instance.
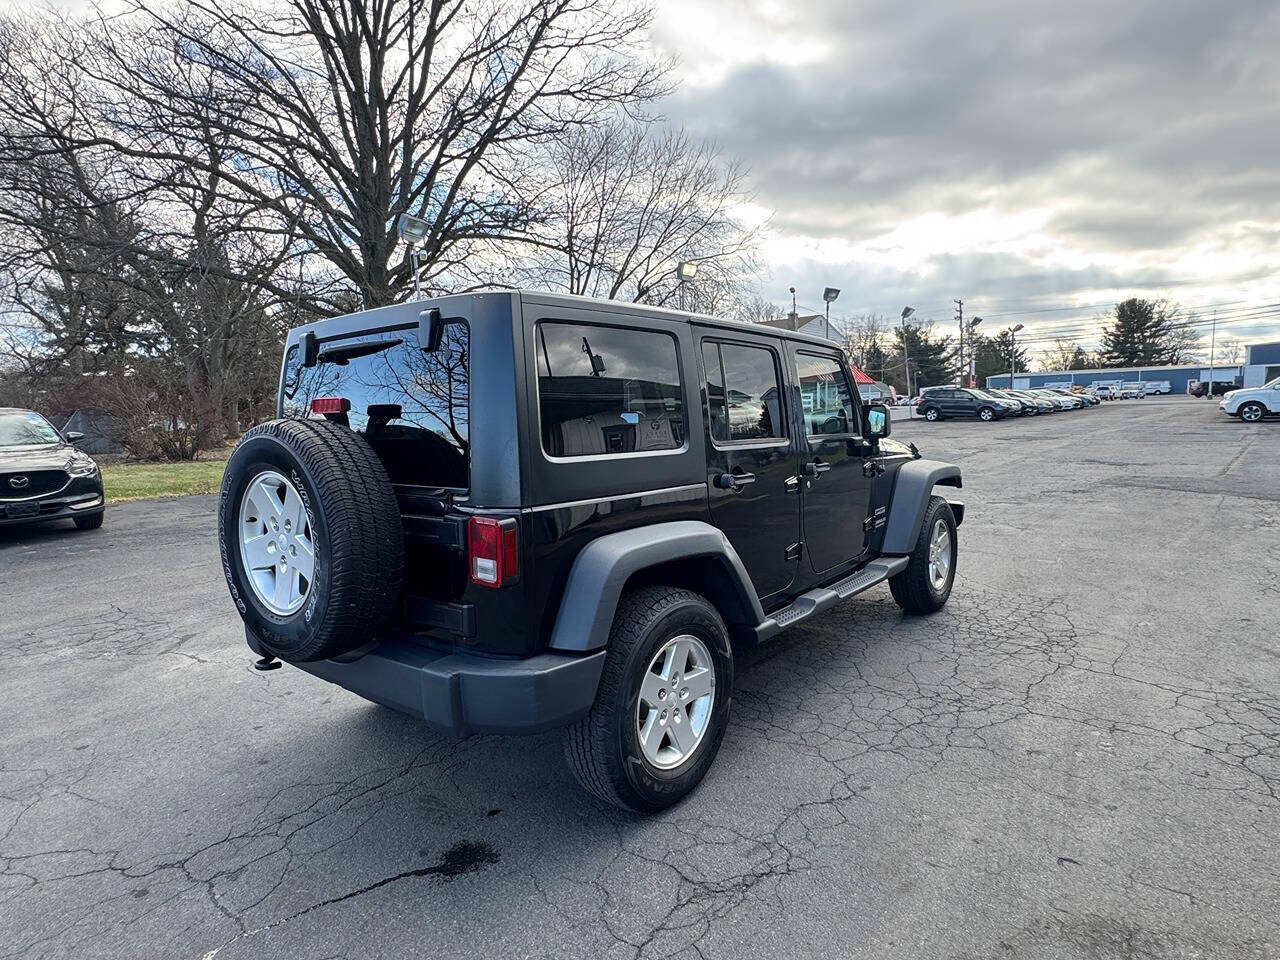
[824, 598]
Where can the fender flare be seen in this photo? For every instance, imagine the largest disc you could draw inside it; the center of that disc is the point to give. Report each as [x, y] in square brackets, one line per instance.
[911, 491]
[602, 569]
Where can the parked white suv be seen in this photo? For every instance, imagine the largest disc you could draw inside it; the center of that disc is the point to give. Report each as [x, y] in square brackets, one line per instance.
[1252, 403]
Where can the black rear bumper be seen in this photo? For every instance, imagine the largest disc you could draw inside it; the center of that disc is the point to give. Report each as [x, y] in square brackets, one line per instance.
[464, 694]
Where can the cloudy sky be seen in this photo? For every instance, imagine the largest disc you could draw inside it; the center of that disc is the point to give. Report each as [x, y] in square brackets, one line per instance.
[1038, 160]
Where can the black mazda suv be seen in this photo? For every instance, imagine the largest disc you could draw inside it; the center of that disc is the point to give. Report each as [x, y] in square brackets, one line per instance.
[43, 476]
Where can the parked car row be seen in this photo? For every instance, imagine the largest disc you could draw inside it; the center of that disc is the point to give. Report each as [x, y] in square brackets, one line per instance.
[942, 403]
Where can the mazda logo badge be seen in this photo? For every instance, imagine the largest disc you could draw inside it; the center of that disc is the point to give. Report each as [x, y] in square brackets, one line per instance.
[19, 482]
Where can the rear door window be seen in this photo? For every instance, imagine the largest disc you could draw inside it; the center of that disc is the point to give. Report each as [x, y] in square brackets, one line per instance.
[608, 391]
[413, 407]
[743, 392]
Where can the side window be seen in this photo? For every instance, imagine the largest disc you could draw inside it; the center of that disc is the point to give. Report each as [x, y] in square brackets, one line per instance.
[743, 392]
[824, 395]
[608, 390]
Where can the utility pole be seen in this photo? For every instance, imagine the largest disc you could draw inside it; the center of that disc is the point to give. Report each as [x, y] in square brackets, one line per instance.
[960, 320]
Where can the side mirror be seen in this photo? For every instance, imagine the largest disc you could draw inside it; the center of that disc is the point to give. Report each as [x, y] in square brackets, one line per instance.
[74, 436]
[879, 422]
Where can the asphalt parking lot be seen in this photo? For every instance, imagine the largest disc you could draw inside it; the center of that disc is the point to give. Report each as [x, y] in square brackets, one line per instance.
[1079, 757]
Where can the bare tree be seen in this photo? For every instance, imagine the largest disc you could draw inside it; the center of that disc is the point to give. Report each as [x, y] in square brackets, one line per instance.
[1059, 355]
[864, 339]
[627, 201]
[330, 119]
[1230, 351]
[754, 308]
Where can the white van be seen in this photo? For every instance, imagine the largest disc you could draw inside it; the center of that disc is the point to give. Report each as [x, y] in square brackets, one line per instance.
[1157, 386]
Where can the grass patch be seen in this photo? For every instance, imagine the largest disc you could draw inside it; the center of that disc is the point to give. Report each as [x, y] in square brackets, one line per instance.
[142, 481]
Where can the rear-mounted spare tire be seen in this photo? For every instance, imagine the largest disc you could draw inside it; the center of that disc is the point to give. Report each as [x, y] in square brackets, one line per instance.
[311, 539]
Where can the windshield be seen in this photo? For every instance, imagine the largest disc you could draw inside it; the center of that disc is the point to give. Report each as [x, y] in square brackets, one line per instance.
[26, 430]
[1274, 384]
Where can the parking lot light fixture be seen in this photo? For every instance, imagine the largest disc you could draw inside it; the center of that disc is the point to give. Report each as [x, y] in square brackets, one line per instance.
[413, 231]
[829, 295]
[1013, 354]
[906, 355]
[966, 328]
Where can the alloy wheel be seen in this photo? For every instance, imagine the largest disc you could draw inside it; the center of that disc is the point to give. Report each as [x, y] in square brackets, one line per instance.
[276, 543]
[939, 556]
[677, 693]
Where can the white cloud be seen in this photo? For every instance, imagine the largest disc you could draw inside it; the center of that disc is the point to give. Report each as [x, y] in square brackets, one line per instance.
[1021, 155]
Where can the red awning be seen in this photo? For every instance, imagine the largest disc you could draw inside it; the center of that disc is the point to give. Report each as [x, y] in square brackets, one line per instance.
[858, 376]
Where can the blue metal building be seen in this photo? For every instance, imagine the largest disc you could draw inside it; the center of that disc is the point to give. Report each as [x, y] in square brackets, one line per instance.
[1262, 363]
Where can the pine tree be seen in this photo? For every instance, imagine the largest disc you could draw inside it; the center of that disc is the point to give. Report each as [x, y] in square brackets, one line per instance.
[1145, 333]
[991, 355]
[932, 360]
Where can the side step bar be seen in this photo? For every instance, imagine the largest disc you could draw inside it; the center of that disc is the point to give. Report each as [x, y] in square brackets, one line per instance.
[824, 598]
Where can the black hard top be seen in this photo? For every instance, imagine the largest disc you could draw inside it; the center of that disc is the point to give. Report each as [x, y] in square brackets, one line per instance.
[399, 314]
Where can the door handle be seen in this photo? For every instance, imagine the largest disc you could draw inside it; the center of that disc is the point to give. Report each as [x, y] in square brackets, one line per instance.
[734, 481]
[816, 468]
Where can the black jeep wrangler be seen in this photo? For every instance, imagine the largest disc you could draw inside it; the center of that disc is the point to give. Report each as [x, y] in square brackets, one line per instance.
[508, 511]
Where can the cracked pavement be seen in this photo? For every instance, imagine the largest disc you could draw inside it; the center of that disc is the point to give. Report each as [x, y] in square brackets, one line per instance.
[1078, 757]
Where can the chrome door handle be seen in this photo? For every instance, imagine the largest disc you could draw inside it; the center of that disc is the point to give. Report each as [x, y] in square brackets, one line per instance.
[815, 468]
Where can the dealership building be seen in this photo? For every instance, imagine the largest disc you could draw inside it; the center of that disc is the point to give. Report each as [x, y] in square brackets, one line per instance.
[1261, 365]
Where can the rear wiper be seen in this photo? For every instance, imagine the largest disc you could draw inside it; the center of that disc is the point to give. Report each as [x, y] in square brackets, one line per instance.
[341, 355]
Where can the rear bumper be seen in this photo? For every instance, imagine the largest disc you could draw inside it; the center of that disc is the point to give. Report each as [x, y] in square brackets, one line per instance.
[464, 694]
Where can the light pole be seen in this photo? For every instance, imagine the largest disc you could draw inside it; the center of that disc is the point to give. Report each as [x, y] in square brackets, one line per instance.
[829, 295]
[906, 353]
[686, 270]
[1013, 354]
[966, 328]
[413, 231]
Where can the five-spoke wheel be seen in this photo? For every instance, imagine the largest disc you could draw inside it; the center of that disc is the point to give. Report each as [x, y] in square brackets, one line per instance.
[939, 555]
[662, 704]
[676, 697]
[276, 544]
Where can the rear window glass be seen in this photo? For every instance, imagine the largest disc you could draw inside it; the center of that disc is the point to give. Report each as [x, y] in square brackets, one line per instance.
[411, 406]
[608, 391]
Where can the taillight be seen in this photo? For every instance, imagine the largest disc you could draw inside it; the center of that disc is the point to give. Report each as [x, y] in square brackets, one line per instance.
[493, 551]
[329, 405]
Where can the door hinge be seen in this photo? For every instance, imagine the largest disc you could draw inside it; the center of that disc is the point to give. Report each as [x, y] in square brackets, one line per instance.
[794, 551]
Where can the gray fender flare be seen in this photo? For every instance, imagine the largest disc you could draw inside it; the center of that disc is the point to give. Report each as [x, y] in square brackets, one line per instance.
[911, 491]
[603, 566]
